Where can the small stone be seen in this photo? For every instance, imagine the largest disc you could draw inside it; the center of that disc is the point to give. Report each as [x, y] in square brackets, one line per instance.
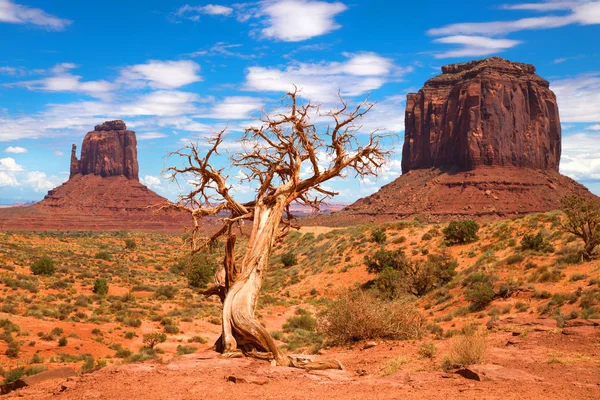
[369, 344]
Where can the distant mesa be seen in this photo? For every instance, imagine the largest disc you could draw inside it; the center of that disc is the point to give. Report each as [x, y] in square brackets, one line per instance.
[482, 140]
[103, 191]
[490, 112]
[109, 150]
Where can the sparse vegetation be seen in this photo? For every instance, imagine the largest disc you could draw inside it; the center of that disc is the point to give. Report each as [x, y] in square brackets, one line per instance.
[43, 266]
[461, 232]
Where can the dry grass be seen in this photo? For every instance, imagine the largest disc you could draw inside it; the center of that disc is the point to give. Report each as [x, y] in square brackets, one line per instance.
[359, 316]
[467, 349]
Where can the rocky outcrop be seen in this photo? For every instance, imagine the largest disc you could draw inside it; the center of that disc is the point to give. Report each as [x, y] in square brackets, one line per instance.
[74, 161]
[109, 150]
[491, 112]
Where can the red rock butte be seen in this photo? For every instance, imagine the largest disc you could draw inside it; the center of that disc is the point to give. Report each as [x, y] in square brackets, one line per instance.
[483, 139]
[103, 191]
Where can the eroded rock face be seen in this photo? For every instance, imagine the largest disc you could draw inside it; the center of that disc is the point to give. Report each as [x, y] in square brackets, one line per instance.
[490, 112]
[109, 150]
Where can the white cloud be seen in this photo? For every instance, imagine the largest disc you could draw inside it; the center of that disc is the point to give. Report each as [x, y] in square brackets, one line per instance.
[386, 116]
[236, 107]
[472, 46]
[321, 82]
[9, 165]
[151, 135]
[58, 153]
[593, 127]
[580, 158]
[7, 179]
[17, 14]
[297, 20]
[578, 98]
[581, 12]
[193, 12]
[161, 74]
[39, 182]
[151, 181]
[63, 81]
[15, 150]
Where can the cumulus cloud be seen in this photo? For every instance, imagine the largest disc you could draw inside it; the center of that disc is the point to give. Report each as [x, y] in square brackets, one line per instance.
[473, 46]
[40, 182]
[161, 74]
[15, 150]
[13, 13]
[9, 165]
[578, 98]
[580, 159]
[359, 74]
[58, 153]
[593, 127]
[151, 181]
[297, 20]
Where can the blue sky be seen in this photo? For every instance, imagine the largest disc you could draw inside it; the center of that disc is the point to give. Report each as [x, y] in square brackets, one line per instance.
[176, 71]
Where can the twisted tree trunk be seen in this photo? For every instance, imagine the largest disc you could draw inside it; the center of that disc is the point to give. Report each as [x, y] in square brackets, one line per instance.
[241, 331]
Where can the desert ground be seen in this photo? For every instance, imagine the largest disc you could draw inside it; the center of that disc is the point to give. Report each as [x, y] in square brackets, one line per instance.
[538, 332]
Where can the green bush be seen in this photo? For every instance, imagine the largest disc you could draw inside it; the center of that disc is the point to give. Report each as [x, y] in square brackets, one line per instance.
[289, 259]
[535, 242]
[104, 255]
[43, 266]
[378, 236]
[62, 342]
[382, 259]
[100, 287]
[166, 291]
[183, 349]
[461, 232]
[130, 244]
[480, 294]
[302, 321]
[150, 340]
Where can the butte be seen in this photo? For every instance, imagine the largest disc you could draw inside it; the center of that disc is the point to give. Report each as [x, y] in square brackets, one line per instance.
[482, 140]
[103, 192]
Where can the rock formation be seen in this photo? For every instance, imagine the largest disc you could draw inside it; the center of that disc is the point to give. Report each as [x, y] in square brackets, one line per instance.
[487, 112]
[483, 139]
[103, 191]
[109, 150]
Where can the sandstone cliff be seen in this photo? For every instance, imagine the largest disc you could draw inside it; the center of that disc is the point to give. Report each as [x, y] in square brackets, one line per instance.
[109, 150]
[486, 112]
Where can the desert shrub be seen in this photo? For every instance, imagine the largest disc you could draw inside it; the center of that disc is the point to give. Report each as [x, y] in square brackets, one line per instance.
[480, 294]
[144, 354]
[303, 320]
[577, 277]
[535, 242]
[427, 350]
[289, 259]
[100, 287]
[62, 342]
[382, 259]
[130, 244]
[390, 284]
[104, 255]
[13, 349]
[43, 266]
[515, 258]
[426, 236]
[171, 329]
[469, 348]
[461, 232]
[438, 270]
[150, 340]
[199, 270]
[583, 221]
[166, 291]
[184, 349]
[359, 315]
[378, 236]
[197, 339]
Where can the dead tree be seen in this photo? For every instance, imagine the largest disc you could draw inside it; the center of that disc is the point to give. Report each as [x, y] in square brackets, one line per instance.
[275, 155]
